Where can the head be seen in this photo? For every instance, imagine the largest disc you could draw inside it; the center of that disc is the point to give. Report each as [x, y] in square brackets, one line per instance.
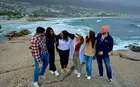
[91, 38]
[64, 35]
[105, 29]
[81, 39]
[40, 30]
[50, 33]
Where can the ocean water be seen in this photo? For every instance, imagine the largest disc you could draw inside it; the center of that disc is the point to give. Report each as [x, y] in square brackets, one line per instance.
[125, 31]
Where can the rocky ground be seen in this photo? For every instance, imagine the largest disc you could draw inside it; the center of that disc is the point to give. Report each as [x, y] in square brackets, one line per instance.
[16, 69]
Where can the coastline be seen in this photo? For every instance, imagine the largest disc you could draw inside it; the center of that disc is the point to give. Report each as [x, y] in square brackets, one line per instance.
[53, 18]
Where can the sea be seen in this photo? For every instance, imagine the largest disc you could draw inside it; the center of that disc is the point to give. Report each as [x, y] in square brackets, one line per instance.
[124, 31]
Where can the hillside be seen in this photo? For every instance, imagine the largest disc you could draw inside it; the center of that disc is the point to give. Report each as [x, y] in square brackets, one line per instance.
[21, 8]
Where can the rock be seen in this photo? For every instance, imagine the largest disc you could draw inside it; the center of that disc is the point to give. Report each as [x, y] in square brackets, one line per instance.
[36, 19]
[134, 47]
[24, 32]
[130, 55]
[18, 34]
[12, 34]
[125, 46]
[114, 53]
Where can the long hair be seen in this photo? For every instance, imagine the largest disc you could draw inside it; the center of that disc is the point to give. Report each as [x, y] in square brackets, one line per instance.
[81, 40]
[48, 35]
[91, 38]
[66, 35]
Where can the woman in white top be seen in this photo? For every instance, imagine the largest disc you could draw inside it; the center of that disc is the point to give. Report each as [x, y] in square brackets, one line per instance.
[63, 48]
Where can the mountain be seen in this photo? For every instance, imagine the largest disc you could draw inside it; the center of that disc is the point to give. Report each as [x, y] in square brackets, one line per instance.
[61, 8]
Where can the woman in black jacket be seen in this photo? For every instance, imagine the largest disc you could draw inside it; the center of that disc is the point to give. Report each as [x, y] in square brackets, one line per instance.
[50, 41]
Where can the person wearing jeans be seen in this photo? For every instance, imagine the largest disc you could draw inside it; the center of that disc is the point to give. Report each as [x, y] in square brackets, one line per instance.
[103, 47]
[88, 60]
[39, 53]
[107, 64]
[89, 52]
[37, 71]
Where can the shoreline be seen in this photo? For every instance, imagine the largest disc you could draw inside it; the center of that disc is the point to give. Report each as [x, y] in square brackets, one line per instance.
[24, 19]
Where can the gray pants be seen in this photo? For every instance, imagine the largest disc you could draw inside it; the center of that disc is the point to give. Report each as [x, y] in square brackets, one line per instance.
[76, 62]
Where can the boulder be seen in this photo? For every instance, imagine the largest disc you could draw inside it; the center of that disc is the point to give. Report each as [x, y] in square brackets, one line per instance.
[114, 53]
[130, 55]
[13, 34]
[24, 32]
[134, 47]
[36, 19]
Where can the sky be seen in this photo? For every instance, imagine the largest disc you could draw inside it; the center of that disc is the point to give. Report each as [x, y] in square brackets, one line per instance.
[123, 2]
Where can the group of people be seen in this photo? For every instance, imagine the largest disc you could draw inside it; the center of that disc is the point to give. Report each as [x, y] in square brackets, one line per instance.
[70, 46]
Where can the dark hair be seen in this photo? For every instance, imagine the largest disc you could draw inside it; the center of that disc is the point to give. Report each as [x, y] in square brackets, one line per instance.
[48, 35]
[72, 36]
[66, 34]
[40, 30]
[82, 40]
[91, 38]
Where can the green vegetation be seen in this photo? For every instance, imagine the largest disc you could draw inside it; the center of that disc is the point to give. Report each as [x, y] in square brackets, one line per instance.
[11, 15]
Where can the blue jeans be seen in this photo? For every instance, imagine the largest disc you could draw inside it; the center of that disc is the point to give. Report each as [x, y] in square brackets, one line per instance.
[88, 60]
[37, 71]
[107, 64]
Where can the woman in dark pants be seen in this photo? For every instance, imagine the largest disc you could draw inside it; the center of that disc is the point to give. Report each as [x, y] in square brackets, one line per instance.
[50, 40]
[63, 47]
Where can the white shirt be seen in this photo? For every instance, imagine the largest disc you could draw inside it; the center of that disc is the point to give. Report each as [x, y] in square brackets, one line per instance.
[63, 44]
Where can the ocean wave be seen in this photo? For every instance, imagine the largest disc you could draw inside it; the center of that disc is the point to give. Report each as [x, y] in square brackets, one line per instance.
[120, 43]
[135, 25]
[59, 25]
[98, 21]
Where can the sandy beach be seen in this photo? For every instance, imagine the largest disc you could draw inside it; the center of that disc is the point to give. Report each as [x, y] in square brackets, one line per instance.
[16, 69]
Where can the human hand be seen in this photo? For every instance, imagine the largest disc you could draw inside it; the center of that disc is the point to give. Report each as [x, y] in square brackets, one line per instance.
[100, 53]
[40, 64]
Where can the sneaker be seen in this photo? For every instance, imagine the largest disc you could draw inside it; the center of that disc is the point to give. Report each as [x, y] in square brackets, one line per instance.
[111, 81]
[56, 73]
[99, 77]
[42, 77]
[51, 71]
[78, 75]
[88, 77]
[35, 84]
[76, 72]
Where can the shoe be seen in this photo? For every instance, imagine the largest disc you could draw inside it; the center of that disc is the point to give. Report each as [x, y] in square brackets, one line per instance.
[99, 77]
[88, 77]
[76, 72]
[35, 84]
[42, 77]
[111, 81]
[78, 75]
[51, 71]
[56, 73]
